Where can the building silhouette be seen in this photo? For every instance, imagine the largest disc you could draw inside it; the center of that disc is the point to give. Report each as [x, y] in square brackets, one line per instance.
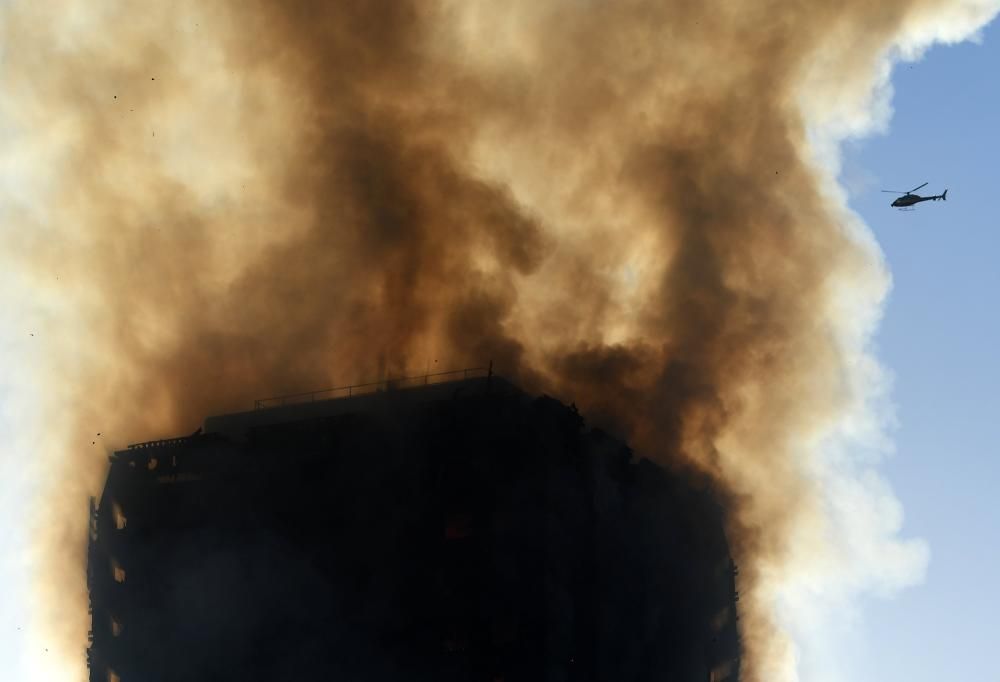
[459, 531]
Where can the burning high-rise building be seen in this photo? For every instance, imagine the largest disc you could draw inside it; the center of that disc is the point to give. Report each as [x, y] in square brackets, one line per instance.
[459, 530]
[631, 203]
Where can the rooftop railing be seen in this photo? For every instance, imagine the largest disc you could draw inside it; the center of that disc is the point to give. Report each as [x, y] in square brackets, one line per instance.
[163, 443]
[373, 387]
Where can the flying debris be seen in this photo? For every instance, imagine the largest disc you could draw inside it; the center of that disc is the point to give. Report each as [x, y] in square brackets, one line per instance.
[908, 199]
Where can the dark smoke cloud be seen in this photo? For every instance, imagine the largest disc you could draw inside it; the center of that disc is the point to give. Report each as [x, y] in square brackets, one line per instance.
[612, 201]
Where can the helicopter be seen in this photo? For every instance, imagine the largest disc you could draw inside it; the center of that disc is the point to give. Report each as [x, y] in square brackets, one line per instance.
[908, 199]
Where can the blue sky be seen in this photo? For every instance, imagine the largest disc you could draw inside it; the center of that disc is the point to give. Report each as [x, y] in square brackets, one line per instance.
[940, 339]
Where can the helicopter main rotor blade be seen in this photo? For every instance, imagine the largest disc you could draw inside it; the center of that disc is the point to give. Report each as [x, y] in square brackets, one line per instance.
[892, 191]
[916, 188]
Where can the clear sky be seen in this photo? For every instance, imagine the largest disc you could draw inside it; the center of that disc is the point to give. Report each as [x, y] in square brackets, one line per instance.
[940, 339]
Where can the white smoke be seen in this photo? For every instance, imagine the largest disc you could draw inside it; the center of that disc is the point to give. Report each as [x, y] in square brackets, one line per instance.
[864, 552]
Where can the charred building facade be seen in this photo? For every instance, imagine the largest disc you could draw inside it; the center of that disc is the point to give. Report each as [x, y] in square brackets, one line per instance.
[461, 531]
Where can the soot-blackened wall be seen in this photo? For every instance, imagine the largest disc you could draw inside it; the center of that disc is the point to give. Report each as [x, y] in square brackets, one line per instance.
[457, 532]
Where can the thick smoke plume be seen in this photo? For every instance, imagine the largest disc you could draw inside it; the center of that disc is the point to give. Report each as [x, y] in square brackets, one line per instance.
[615, 202]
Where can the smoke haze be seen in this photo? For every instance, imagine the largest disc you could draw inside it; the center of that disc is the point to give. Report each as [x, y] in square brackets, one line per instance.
[627, 204]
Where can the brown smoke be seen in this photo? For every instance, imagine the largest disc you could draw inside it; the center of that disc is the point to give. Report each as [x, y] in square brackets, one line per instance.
[610, 200]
